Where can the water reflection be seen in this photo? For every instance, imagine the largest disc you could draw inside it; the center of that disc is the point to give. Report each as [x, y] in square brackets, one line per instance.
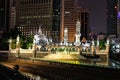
[56, 74]
[33, 77]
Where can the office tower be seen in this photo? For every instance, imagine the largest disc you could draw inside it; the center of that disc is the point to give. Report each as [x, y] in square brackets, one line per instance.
[33, 13]
[111, 17]
[4, 13]
[83, 16]
[118, 19]
[52, 15]
[56, 20]
[68, 19]
[12, 15]
[70, 14]
[30, 14]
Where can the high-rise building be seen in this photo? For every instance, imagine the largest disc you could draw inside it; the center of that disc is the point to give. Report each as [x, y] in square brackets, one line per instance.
[4, 13]
[12, 14]
[30, 14]
[56, 20]
[83, 16]
[52, 15]
[111, 17]
[70, 14]
[118, 19]
[68, 19]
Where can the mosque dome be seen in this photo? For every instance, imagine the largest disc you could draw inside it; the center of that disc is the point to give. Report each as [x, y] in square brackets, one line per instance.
[40, 39]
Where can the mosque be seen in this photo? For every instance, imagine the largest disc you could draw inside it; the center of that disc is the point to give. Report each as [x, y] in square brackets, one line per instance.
[44, 48]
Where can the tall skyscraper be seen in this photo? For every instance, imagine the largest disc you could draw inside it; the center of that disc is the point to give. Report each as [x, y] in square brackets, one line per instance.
[70, 14]
[30, 14]
[118, 19]
[12, 17]
[68, 19]
[111, 17]
[52, 15]
[4, 13]
[56, 20]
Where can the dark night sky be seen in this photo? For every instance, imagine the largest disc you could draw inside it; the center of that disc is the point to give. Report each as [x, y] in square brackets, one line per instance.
[97, 13]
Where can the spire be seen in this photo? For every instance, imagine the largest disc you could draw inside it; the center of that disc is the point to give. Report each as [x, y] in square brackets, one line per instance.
[40, 30]
[78, 20]
[78, 27]
[18, 38]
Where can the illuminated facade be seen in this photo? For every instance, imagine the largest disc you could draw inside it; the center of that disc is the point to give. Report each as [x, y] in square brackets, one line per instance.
[52, 15]
[68, 19]
[70, 14]
[12, 17]
[112, 17]
[32, 13]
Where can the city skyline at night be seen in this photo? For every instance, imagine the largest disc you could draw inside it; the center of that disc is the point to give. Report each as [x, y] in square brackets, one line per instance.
[61, 14]
[59, 39]
[98, 15]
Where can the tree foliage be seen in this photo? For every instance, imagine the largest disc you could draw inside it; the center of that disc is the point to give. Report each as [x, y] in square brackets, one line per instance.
[26, 42]
[102, 44]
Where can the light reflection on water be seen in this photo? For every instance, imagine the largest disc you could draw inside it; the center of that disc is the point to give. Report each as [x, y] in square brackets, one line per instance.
[112, 64]
[33, 77]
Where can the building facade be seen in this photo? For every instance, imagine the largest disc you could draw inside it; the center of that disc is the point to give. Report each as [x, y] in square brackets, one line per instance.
[111, 17]
[12, 13]
[4, 14]
[34, 13]
[52, 15]
[68, 19]
[70, 14]
[30, 14]
[56, 20]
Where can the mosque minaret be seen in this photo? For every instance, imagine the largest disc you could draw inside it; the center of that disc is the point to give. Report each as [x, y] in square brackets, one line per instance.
[77, 34]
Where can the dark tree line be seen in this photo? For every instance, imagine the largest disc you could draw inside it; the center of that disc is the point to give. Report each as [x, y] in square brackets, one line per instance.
[4, 44]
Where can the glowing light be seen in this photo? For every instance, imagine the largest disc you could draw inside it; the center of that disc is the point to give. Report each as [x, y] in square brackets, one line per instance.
[119, 14]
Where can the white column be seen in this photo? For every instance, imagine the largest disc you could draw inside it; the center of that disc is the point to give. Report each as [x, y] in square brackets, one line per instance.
[78, 34]
[18, 46]
[66, 36]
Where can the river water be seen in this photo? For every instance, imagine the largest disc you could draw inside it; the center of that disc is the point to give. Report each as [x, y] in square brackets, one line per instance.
[112, 64]
[38, 77]
[33, 77]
